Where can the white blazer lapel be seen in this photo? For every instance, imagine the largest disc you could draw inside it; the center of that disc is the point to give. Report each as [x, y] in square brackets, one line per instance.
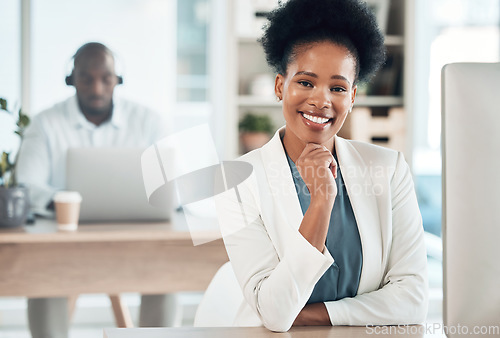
[282, 188]
[356, 175]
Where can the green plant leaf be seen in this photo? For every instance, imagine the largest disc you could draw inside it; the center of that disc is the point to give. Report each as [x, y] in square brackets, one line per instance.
[5, 165]
[256, 123]
[24, 120]
[3, 103]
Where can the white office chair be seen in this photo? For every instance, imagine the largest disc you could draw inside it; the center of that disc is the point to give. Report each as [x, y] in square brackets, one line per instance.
[221, 300]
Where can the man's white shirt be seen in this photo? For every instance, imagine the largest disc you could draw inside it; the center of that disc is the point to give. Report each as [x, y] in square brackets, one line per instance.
[42, 157]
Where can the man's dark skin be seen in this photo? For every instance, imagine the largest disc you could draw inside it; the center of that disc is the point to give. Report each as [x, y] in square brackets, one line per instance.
[94, 79]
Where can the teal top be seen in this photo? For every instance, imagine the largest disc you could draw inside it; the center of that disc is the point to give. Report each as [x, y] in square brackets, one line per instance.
[342, 241]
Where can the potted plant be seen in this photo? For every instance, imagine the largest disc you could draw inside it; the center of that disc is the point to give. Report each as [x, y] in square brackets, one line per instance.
[14, 199]
[255, 131]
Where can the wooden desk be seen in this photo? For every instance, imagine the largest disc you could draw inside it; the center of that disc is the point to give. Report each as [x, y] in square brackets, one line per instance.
[260, 332]
[154, 258]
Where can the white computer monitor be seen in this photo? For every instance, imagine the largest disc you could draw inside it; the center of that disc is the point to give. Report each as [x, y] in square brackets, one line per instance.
[471, 197]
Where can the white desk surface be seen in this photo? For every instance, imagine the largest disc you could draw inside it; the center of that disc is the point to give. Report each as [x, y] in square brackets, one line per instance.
[261, 332]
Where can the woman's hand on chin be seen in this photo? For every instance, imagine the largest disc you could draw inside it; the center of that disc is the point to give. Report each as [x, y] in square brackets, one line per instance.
[318, 169]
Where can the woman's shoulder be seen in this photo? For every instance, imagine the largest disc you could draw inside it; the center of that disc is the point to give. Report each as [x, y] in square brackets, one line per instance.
[254, 158]
[251, 157]
[269, 151]
[371, 154]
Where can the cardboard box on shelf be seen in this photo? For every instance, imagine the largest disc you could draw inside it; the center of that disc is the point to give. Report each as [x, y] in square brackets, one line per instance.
[387, 130]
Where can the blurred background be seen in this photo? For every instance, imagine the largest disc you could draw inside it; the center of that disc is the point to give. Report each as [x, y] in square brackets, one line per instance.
[198, 61]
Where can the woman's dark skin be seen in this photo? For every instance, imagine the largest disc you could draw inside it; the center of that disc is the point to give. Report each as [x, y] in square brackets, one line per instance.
[318, 85]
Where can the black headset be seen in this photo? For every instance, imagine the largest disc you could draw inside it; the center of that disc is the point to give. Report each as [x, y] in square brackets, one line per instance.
[70, 80]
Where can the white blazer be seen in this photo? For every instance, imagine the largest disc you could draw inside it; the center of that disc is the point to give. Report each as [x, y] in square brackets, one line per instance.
[277, 267]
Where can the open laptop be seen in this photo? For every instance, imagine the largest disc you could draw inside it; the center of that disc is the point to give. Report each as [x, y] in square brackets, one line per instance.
[111, 184]
[471, 198]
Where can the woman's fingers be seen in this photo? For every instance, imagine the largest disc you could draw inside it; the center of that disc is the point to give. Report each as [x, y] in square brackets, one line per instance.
[318, 169]
[315, 154]
[333, 168]
[311, 147]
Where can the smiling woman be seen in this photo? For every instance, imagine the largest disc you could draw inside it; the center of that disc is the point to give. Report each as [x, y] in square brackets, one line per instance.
[325, 231]
[317, 92]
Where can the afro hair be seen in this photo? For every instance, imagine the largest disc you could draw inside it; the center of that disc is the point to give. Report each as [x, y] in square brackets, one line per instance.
[349, 23]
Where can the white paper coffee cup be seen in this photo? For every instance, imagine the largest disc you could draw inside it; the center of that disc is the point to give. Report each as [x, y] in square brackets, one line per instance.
[67, 204]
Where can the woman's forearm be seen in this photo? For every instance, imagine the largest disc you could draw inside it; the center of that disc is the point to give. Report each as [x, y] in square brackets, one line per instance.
[313, 314]
[314, 226]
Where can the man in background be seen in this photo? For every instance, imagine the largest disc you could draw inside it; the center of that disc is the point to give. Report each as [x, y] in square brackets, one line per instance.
[94, 117]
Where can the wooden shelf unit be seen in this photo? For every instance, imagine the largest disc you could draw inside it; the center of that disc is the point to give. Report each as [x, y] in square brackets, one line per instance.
[391, 94]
